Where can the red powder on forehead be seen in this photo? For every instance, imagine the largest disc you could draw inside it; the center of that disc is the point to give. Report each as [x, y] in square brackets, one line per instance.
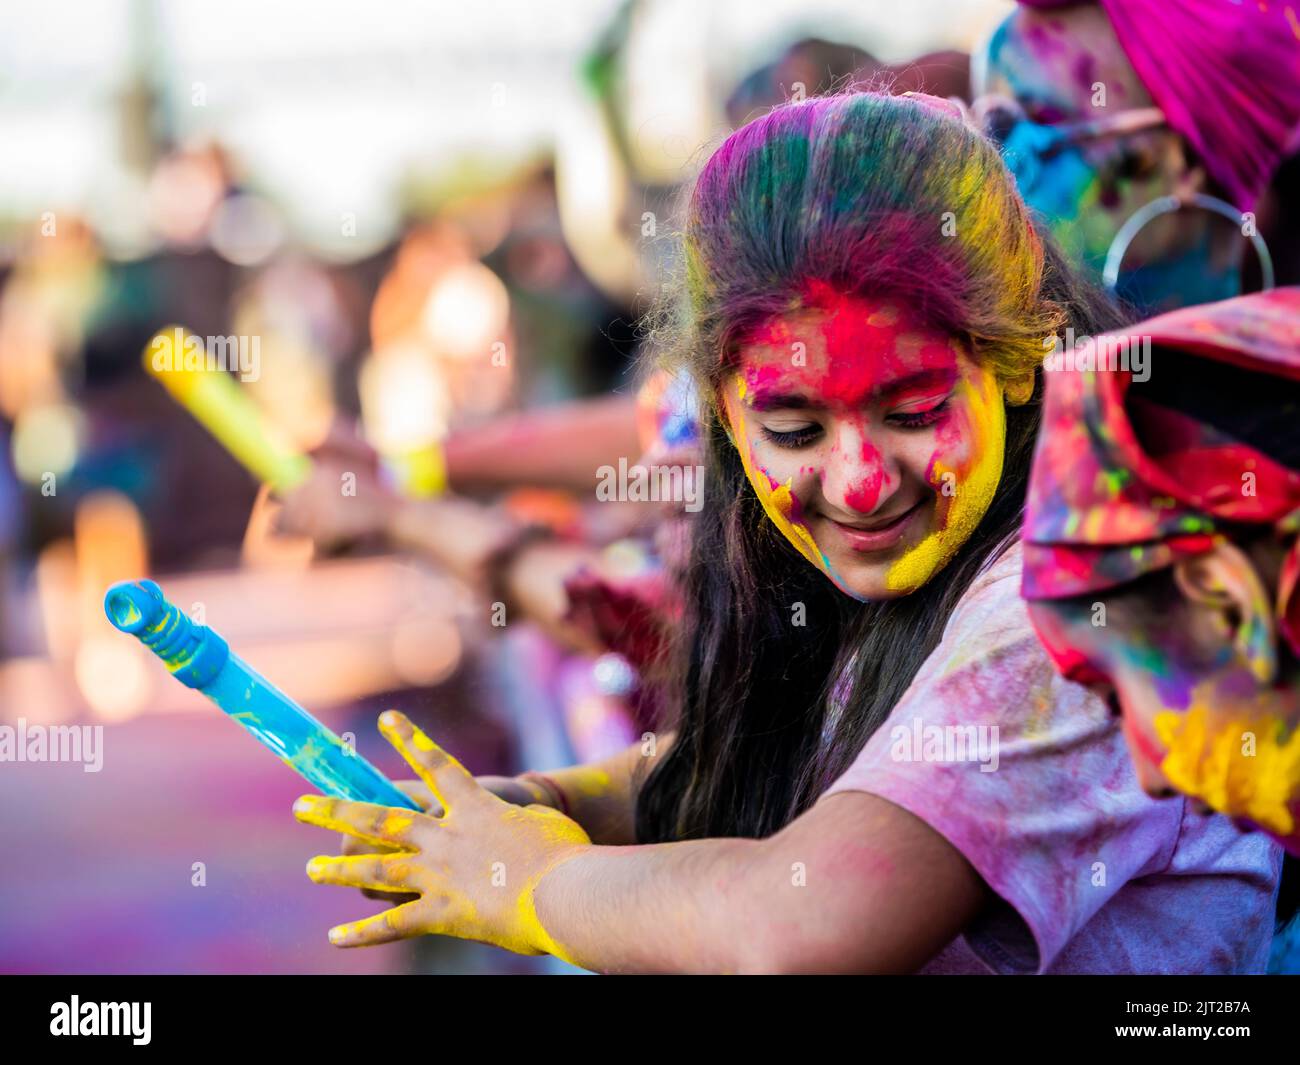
[773, 333]
[765, 379]
[870, 342]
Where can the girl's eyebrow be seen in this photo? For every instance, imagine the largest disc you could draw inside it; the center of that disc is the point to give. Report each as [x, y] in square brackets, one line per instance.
[920, 381]
[764, 401]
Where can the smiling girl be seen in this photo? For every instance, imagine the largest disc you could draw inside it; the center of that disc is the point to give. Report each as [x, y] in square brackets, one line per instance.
[867, 303]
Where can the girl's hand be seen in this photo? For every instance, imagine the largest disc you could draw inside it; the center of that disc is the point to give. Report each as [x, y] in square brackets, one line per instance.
[474, 868]
[517, 790]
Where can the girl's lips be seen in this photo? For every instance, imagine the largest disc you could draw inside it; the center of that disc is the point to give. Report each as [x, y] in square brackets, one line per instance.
[881, 537]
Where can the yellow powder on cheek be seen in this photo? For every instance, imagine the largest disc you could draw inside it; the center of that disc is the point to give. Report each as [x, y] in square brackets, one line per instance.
[973, 485]
[777, 502]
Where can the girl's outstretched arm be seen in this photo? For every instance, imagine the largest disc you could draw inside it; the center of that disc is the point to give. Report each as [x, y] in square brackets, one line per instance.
[856, 884]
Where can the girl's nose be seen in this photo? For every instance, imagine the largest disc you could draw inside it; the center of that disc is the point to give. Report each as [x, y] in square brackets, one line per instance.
[864, 493]
[858, 478]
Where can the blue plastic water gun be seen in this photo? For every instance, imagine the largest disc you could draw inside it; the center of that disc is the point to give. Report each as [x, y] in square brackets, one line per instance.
[200, 659]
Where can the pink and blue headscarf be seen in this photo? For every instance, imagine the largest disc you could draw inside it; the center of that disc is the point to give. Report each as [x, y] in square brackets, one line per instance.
[1103, 509]
[1226, 73]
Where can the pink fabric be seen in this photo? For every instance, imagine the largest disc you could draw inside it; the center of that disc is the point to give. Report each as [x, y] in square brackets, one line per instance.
[1092, 875]
[1225, 73]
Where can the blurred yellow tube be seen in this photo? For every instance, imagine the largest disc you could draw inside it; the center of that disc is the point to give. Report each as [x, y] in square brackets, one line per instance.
[229, 414]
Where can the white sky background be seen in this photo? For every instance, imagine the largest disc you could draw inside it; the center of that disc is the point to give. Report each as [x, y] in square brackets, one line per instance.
[327, 103]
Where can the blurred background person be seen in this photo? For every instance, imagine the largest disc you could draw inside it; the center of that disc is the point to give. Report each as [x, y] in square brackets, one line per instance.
[1103, 108]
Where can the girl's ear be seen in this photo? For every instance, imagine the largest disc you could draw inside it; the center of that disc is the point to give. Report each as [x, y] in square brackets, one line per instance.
[1018, 390]
[1224, 580]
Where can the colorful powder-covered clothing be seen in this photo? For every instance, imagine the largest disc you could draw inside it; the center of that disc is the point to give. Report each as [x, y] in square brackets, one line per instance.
[1090, 874]
[1108, 503]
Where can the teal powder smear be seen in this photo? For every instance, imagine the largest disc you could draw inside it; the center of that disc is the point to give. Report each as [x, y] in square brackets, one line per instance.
[1173, 688]
[200, 659]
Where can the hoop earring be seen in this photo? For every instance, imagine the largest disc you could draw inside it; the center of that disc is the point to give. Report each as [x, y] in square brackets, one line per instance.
[1167, 205]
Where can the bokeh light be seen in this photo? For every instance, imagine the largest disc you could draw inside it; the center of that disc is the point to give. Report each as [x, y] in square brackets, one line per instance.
[45, 443]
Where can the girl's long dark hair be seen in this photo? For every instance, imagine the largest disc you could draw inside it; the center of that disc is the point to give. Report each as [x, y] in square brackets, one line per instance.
[780, 677]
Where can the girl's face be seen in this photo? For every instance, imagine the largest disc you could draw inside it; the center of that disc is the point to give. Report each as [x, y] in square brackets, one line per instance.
[874, 441]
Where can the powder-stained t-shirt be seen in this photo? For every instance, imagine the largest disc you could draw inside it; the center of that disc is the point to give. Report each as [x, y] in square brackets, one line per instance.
[1091, 875]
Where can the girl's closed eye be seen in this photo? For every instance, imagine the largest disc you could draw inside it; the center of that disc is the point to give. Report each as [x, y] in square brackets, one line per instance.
[799, 437]
[919, 417]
